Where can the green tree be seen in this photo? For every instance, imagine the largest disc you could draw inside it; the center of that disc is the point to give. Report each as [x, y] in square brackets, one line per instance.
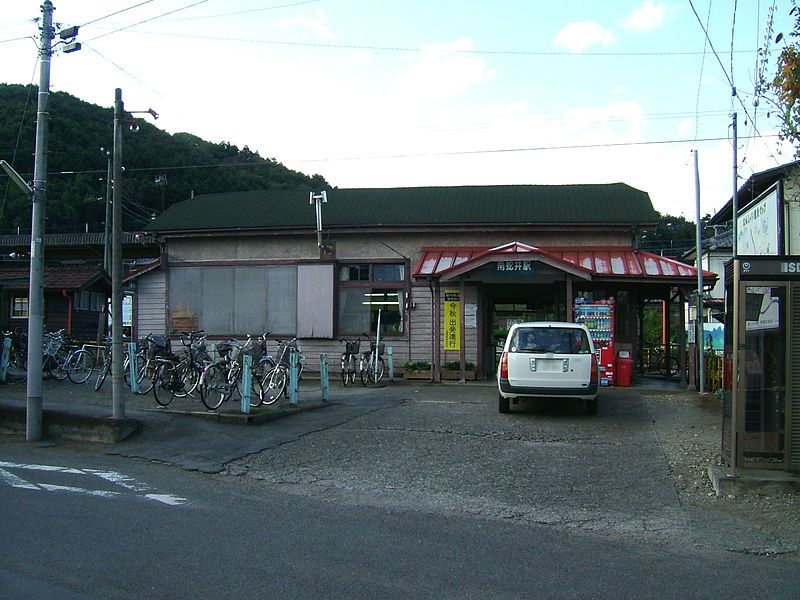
[76, 185]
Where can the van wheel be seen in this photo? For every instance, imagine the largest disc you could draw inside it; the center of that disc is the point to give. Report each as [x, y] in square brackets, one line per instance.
[503, 405]
[590, 406]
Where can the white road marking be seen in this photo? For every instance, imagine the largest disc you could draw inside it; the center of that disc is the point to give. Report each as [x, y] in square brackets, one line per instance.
[138, 489]
[15, 481]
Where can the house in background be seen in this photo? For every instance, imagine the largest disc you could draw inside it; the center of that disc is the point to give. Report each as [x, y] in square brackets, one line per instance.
[74, 299]
[76, 287]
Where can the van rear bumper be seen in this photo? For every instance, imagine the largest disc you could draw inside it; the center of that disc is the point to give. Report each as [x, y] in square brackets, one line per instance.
[580, 392]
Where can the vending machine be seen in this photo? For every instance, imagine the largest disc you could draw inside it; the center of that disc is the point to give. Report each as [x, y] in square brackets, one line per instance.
[599, 318]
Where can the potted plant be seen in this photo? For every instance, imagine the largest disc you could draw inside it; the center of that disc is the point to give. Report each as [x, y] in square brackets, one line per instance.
[417, 369]
[451, 369]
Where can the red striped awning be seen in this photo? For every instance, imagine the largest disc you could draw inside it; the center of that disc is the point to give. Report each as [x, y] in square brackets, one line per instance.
[596, 261]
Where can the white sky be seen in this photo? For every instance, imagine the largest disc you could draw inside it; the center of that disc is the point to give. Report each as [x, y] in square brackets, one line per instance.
[435, 92]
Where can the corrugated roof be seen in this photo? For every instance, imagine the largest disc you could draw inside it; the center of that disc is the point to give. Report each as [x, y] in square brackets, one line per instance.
[589, 204]
[55, 278]
[610, 261]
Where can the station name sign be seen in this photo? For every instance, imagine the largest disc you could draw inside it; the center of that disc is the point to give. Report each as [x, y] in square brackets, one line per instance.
[515, 267]
[786, 267]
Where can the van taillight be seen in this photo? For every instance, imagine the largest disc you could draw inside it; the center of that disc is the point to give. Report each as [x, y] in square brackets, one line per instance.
[593, 376]
[504, 365]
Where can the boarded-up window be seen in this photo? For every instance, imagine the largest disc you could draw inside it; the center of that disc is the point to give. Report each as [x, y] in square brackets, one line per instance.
[250, 292]
[185, 296]
[315, 301]
[217, 305]
[282, 300]
[234, 300]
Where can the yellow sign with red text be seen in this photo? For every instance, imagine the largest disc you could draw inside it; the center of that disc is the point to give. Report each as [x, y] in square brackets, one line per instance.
[452, 320]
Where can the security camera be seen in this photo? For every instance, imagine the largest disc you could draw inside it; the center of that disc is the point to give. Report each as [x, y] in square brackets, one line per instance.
[133, 126]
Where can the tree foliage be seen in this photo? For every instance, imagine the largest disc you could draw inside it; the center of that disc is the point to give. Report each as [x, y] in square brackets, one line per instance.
[160, 168]
[786, 83]
[674, 236]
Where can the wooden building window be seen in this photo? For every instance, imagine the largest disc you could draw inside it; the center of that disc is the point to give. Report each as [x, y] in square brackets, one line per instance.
[19, 307]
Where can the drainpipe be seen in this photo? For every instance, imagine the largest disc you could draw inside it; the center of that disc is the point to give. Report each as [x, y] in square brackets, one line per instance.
[66, 295]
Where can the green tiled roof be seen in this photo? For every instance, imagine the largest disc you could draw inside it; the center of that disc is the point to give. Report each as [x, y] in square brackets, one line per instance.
[593, 204]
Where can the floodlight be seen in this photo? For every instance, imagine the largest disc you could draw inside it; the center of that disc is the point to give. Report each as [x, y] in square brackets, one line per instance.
[68, 32]
[16, 178]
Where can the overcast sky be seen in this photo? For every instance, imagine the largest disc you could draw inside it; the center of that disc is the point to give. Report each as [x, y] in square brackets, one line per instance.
[385, 93]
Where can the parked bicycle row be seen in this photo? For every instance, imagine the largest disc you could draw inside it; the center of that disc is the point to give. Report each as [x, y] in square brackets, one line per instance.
[213, 371]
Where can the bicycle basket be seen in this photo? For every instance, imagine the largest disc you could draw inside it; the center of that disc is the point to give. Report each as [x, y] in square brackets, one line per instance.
[353, 347]
[158, 345]
[224, 348]
[51, 345]
[381, 348]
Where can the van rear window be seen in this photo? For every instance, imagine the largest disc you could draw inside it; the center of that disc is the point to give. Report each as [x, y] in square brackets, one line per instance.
[559, 340]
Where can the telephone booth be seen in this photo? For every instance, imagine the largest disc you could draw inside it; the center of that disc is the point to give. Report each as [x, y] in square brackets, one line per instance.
[761, 421]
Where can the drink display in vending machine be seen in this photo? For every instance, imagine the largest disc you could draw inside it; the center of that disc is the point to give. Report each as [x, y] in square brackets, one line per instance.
[599, 319]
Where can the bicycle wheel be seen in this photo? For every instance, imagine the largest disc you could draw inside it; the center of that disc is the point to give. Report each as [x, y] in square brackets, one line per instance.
[103, 373]
[665, 369]
[273, 385]
[126, 370]
[57, 364]
[146, 376]
[162, 382]
[189, 375]
[369, 374]
[80, 366]
[345, 372]
[214, 387]
[260, 372]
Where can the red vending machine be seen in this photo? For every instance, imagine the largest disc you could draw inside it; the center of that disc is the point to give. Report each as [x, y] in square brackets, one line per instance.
[599, 318]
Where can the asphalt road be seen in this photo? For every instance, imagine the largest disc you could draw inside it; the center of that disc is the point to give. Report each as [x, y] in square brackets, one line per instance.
[409, 491]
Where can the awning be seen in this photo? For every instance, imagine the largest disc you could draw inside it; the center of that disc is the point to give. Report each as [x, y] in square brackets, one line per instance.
[597, 262]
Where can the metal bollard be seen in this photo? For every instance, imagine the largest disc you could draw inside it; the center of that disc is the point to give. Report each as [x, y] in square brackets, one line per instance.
[390, 362]
[247, 379]
[133, 368]
[294, 373]
[323, 376]
[5, 358]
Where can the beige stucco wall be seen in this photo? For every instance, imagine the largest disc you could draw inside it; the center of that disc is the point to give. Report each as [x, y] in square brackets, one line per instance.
[372, 245]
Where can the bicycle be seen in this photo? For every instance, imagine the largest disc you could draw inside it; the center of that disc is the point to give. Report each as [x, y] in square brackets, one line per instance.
[262, 367]
[372, 366]
[54, 354]
[222, 378]
[108, 362]
[178, 377]
[275, 382]
[18, 353]
[152, 347]
[349, 361]
[83, 362]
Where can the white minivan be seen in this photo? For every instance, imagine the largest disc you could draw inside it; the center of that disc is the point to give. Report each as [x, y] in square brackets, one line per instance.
[548, 359]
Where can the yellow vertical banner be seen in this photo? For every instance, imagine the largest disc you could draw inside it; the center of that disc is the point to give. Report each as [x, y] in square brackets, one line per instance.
[452, 320]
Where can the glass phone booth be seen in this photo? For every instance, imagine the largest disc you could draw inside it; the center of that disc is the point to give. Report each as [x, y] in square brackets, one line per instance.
[761, 417]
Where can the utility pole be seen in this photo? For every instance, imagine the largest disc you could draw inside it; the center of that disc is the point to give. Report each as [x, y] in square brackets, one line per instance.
[33, 422]
[107, 225]
[734, 198]
[699, 331]
[117, 376]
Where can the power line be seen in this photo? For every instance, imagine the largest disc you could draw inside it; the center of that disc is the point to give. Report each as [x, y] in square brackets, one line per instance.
[423, 50]
[244, 12]
[128, 73]
[172, 12]
[117, 13]
[266, 163]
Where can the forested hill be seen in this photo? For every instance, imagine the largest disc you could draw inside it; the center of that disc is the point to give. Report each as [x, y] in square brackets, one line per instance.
[160, 169]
